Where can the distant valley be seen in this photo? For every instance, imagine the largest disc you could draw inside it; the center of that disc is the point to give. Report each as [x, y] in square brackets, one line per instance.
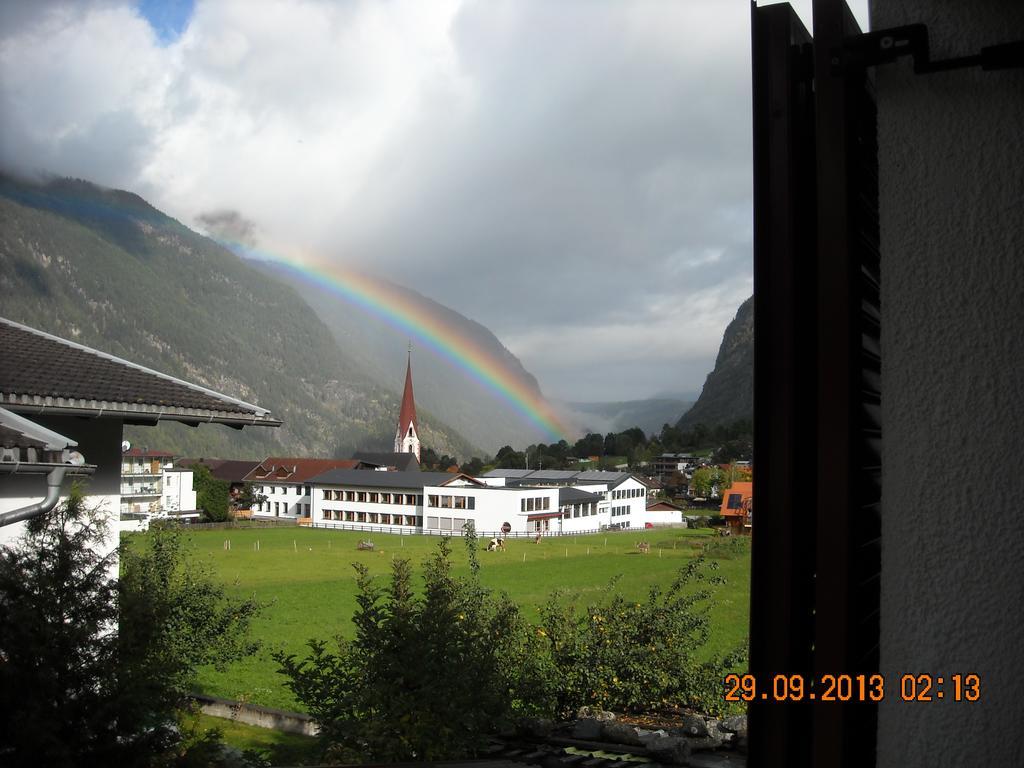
[650, 415]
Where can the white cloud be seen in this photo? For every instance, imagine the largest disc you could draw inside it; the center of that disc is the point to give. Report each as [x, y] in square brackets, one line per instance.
[574, 175]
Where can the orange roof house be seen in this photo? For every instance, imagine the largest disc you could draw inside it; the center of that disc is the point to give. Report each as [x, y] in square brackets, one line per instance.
[736, 503]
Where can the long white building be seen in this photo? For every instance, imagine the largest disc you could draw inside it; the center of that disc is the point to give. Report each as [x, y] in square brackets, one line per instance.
[442, 502]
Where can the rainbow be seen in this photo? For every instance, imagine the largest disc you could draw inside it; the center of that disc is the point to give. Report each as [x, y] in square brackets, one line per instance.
[395, 307]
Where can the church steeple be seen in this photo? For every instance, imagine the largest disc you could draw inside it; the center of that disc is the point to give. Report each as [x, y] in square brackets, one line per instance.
[407, 439]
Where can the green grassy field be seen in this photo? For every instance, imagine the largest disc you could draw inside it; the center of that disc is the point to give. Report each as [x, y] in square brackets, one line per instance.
[306, 581]
[279, 748]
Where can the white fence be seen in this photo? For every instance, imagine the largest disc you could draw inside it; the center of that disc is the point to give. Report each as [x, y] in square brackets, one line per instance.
[415, 531]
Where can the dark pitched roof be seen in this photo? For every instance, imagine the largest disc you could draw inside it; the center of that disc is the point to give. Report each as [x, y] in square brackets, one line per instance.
[663, 503]
[553, 474]
[228, 470]
[403, 462]
[368, 478]
[281, 469]
[576, 496]
[42, 372]
[523, 477]
[233, 471]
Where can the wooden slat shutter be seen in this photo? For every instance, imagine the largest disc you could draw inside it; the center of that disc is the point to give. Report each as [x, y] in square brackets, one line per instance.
[816, 561]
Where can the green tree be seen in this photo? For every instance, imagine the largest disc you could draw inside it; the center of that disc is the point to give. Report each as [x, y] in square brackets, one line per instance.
[427, 676]
[78, 688]
[590, 445]
[707, 481]
[428, 458]
[473, 467]
[58, 601]
[507, 458]
[212, 495]
[248, 498]
[174, 618]
[636, 656]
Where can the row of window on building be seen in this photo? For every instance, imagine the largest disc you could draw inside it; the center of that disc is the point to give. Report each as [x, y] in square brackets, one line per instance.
[535, 504]
[446, 523]
[281, 508]
[580, 510]
[376, 518]
[628, 493]
[452, 502]
[620, 511]
[374, 497]
[300, 490]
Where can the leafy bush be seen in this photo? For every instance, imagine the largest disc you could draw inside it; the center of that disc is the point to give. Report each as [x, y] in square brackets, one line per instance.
[78, 688]
[631, 657]
[212, 495]
[428, 676]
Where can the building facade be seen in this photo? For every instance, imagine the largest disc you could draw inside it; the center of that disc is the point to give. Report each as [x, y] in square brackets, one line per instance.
[152, 486]
[442, 502]
[283, 482]
[87, 396]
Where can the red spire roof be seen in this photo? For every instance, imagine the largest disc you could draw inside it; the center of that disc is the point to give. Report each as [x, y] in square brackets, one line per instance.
[408, 413]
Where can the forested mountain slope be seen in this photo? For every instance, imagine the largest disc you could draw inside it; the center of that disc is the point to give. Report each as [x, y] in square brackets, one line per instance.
[106, 269]
[728, 394]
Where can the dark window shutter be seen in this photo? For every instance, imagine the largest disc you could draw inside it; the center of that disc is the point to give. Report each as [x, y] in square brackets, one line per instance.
[816, 559]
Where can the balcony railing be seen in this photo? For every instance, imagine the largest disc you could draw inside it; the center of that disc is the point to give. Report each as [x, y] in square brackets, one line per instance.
[147, 491]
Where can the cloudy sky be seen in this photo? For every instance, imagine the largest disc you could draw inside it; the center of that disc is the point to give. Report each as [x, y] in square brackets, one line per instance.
[573, 174]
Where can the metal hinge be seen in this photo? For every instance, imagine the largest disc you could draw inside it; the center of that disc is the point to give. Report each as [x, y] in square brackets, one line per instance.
[885, 46]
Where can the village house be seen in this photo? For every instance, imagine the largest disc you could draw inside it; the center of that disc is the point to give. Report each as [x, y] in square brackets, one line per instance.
[60, 392]
[623, 495]
[151, 486]
[230, 471]
[284, 482]
[665, 465]
[737, 500]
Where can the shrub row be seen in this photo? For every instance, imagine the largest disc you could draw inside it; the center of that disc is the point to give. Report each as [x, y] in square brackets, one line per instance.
[429, 676]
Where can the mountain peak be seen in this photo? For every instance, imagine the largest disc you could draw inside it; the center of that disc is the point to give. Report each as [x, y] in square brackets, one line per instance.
[728, 393]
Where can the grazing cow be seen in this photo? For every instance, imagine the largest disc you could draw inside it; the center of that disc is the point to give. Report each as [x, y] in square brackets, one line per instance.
[364, 544]
[643, 546]
[495, 545]
[536, 540]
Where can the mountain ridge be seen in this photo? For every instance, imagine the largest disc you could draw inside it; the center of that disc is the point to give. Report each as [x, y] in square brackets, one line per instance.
[728, 392]
[105, 268]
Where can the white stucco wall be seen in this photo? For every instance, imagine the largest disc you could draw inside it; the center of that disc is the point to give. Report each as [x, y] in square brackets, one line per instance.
[178, 490]
[99, 440]
[951, 159]
[291, 498]
[336, 508]
[588, 519]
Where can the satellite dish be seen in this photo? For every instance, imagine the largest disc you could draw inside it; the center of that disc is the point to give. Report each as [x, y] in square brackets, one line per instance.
[125, 445]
